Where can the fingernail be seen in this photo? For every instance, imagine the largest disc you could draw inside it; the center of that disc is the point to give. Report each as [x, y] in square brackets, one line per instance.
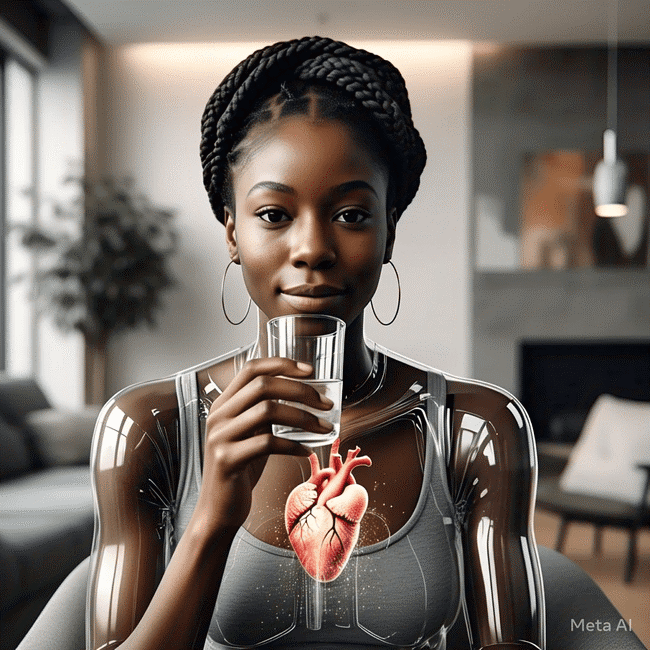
[325, 424]
[303, 366]
[326, 401]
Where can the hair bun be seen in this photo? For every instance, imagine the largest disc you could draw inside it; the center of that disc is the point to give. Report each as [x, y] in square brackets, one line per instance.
[370, 81]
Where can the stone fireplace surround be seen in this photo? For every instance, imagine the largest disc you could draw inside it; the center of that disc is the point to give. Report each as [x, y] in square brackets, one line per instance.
[587, 305]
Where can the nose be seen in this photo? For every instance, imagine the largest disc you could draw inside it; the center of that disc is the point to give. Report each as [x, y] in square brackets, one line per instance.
[313, 244]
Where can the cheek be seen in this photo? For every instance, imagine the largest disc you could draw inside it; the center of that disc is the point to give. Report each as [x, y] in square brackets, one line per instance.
[259, 261]
[366, 255]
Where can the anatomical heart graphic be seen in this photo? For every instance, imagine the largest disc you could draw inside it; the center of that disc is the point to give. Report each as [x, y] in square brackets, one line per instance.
[323, 514]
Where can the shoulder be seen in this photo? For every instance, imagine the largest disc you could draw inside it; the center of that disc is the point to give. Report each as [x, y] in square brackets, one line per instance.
[488, 401]
[136, 432]
[467, 395]
[491, 432]
[135, 463]
[142, 406]
[481, 412]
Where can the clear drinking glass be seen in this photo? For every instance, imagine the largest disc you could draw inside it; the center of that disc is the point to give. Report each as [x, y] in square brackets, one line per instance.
[317, 340]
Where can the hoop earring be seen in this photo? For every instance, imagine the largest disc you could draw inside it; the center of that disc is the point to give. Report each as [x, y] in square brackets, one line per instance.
[223, 301]
[399, 299]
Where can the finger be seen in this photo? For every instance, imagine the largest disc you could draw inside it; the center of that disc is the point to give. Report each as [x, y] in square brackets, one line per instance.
[246, 451]
[267, 366]
[269, 387]
[258, 420]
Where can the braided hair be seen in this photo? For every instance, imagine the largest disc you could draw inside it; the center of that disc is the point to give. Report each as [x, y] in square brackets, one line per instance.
[352, 85]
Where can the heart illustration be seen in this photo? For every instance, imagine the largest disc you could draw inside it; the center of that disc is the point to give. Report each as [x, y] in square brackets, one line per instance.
[323, 514]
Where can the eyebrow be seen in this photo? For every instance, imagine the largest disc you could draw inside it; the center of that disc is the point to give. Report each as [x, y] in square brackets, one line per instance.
[273, 186]
[344, 188]
[339, 190]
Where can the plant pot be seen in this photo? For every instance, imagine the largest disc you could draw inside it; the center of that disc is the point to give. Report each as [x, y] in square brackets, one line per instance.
[95, 370]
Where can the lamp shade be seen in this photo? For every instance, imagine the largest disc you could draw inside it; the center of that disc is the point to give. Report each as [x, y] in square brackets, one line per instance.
[609, 182]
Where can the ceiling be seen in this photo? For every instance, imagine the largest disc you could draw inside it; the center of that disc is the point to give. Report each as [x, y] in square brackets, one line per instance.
[504, 21]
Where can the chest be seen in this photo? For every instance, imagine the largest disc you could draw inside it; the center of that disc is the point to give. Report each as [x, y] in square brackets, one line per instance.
[393, 482]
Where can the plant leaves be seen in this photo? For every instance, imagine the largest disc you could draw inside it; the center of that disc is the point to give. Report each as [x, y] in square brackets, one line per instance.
[110, 274]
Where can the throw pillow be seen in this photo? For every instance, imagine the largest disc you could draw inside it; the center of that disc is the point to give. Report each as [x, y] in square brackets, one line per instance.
[15, 458]
[64, 436]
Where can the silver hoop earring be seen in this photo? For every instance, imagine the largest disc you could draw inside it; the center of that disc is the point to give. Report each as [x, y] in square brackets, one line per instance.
[223, 301]
[399, 299]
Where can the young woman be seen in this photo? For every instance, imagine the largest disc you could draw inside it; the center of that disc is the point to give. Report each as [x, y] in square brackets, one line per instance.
[310, 158]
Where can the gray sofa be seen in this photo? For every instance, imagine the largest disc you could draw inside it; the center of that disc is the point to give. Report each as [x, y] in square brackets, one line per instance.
[46, 510]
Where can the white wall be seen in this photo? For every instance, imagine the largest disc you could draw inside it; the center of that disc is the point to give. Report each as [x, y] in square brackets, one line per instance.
[155, 95]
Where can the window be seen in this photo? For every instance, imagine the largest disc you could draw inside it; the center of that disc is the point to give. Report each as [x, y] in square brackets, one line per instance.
[19, 94]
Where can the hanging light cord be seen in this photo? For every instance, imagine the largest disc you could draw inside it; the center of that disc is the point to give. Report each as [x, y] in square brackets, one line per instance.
[612, 67]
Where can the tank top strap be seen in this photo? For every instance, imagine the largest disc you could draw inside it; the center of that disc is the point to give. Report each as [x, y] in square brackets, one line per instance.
[436, 410]
[189, 483]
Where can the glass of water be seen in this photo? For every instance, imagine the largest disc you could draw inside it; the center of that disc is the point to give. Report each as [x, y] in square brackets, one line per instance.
[317, 340]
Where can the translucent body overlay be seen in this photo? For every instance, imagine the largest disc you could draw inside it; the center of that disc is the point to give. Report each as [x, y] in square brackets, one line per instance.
[448, 524]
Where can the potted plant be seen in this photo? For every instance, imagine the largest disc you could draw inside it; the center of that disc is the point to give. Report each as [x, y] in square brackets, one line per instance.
[106, 269]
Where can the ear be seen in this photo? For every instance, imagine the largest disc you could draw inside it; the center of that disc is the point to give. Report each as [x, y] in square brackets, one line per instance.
[390, 236]
[231, 235]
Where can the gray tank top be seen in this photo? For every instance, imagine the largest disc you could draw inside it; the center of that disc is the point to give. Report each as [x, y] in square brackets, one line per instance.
[404, 592]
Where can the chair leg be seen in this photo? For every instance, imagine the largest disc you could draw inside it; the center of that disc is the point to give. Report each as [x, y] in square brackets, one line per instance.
[631, 556]
[598, 539]
[559, 542]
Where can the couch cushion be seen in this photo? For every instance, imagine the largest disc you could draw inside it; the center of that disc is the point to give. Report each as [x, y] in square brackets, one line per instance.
[10, 590]
[19, 396]
[64, 436]
[46, 523]
[15, 456]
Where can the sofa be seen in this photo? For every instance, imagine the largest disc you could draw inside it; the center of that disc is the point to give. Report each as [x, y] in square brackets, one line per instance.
[46, 507]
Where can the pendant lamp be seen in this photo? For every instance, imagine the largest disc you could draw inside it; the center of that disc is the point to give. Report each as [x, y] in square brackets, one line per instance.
[611, 172]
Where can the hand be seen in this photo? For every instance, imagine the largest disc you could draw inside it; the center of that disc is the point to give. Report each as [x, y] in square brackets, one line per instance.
[239, 438]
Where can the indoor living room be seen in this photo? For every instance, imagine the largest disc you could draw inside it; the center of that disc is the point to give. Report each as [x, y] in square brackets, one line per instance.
[507, 273]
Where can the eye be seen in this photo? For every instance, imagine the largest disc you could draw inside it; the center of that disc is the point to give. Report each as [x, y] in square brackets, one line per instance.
[352, 216]
[272, 215]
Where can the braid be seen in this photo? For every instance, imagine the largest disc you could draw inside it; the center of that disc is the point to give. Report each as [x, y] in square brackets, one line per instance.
[363, 81]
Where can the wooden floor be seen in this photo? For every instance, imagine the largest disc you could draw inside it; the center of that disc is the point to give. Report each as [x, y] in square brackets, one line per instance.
[632, 600]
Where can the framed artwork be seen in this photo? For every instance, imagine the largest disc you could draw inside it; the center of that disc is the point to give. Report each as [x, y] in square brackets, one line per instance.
[559, 227]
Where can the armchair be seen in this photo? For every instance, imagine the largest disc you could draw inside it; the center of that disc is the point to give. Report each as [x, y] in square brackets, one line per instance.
[607, 479]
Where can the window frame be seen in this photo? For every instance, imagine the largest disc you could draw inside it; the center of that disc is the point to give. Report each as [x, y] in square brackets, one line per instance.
[15, 48]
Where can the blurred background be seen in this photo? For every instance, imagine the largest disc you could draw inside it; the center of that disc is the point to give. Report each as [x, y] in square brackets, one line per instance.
[507, 273]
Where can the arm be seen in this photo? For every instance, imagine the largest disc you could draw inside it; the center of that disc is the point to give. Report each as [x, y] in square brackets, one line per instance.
[134, 601]
[493, 475]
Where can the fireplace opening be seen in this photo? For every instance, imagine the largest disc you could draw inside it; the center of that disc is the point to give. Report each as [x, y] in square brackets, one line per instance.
[560, 380]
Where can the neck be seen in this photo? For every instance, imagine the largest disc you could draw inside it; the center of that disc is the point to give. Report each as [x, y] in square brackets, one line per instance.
[357, 358]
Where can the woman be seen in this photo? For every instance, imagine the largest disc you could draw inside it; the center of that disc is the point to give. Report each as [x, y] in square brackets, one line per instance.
[310, 158]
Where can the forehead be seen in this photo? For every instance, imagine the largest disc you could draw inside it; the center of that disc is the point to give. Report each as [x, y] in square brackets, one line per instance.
[305, 148]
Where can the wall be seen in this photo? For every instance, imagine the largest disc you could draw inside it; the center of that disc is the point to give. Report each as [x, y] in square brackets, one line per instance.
[155, 95]
[535, 100]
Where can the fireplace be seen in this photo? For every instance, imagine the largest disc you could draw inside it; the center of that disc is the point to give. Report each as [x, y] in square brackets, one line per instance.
[560, 380]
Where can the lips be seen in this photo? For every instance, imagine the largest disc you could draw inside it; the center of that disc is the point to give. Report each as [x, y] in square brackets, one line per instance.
[314, 291]
[312, 297]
